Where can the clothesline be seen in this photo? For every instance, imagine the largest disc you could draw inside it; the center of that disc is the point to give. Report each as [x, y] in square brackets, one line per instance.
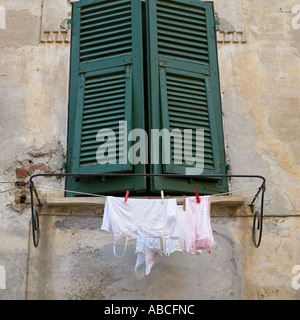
[103, 196]
[97, 195]
[7, 190]
[91, 202]
[7, 182]
[71, 191]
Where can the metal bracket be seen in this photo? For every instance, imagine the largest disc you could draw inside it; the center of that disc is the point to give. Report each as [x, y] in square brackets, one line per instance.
[258, 214]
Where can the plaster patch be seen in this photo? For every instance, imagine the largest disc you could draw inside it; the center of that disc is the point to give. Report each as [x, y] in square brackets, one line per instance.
[54, 22]
[231, 21]
[21, 29]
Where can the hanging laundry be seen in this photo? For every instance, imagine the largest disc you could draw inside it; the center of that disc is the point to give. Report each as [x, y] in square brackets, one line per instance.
[140, 217]
[199, 234]
[148, 250]
[187, 230]
[151, 220]
[172, 245]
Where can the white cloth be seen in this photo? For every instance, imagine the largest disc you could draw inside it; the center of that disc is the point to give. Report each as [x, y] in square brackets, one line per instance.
[140, 217]
[148, 250]
[172, 245]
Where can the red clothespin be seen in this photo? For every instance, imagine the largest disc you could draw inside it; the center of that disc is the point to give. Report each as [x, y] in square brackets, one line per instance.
[197, 195]
[126, 196]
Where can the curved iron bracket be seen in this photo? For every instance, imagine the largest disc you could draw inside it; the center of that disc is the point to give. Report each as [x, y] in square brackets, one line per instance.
[258, 215]
[35, 223]
[257, 219]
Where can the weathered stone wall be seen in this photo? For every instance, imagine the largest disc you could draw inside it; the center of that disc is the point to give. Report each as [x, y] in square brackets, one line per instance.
[260, 82]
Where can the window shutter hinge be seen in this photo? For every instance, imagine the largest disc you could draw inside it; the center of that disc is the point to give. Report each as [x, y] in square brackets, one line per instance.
[81, 81]
[127, 72]
[228, 168]
[216, 23]
[64, 167]
[207, 85]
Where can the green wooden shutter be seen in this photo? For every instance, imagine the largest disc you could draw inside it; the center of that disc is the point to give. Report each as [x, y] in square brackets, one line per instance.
[106, 88]
[184, 89]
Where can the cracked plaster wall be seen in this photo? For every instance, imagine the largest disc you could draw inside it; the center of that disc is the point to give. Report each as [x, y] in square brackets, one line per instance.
[260, 95]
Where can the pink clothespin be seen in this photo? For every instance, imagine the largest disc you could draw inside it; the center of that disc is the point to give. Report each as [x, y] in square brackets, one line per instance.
[126, 196]
[197, 195]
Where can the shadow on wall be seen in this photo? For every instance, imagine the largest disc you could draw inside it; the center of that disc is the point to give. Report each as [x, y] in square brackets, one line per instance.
[84, 267]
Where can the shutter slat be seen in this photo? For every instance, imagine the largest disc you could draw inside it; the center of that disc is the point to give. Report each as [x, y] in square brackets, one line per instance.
[91, 134]
[106, 96]
[110, 29]
[194, 24]
[189, 42]
[102, 108]
[102, 113]
[97, 27]
[198, 123]
[175, 84]
[90, 146]
[188, 95]
[182, 14]
[106, 104]
[103, 88]
[103, 5]
[104, 54]
[181, 7]
[101, 21]
[120, 46]
[169, 27]
[181, 54]
[187, 48]
[187, 101]
[111, 18]
[118, 114]
[198, 111]
[187, 114]
[104, 123]
[87, 46]
[97, 14]
[111, 98]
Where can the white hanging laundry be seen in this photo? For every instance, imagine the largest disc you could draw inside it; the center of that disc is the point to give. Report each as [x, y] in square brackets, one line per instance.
[140, 217]
[148, 250]
[172, 245]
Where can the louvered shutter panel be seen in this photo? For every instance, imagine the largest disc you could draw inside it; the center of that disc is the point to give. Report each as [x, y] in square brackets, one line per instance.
[184, 90]
[106, 91]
